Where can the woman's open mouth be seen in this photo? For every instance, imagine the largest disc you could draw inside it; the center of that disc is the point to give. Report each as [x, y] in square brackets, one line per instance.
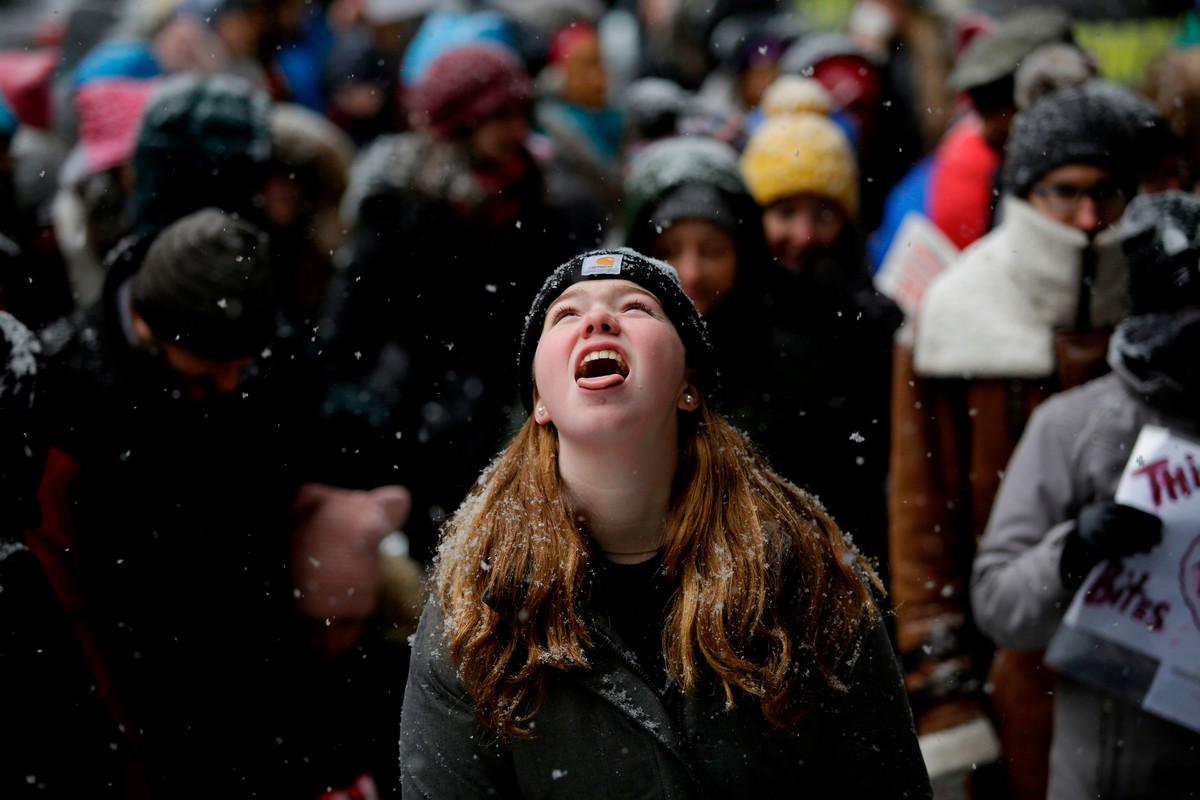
[600, 369]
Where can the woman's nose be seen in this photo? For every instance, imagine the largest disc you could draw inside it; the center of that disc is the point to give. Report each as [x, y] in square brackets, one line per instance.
[599, 320]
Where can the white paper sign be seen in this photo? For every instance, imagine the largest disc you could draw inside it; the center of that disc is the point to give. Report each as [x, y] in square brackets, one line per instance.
[1150, 602]
[918, 252]
[1175, 695]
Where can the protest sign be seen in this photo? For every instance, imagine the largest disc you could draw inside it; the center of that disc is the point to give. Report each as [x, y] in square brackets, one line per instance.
[1146, 604]
[918, 252]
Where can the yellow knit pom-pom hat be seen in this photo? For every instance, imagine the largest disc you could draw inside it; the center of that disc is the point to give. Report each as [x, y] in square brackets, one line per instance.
[805, 153]
[795, 94]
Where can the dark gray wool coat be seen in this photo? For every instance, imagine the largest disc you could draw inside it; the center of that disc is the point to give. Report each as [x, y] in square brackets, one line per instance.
[605, 732]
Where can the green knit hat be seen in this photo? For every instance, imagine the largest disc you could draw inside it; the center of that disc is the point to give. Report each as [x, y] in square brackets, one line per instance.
[204, 140]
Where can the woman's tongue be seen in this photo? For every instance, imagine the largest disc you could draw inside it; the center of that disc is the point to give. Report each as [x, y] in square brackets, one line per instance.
[600, 381]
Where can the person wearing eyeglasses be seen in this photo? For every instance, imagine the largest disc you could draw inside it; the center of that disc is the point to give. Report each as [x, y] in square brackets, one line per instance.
[1020, 315]
[1057, 516]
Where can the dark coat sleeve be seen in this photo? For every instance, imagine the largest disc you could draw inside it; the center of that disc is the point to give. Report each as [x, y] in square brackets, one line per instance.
[444, 749]
[870, 735]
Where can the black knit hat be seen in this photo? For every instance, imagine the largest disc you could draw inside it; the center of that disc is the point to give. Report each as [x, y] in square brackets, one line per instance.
[697, 201]
[1095, 123]
[622, 263]
[1160, 234]
[206, 285]
[683, 177]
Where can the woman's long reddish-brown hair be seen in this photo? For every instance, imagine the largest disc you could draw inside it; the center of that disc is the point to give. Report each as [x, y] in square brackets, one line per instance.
[770, 598]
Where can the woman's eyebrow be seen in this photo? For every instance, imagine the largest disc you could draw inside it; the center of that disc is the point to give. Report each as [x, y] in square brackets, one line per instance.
[616, 292]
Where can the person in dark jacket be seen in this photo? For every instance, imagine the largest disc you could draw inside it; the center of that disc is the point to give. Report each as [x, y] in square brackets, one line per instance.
[801, 170]
[574, 110]
[631, 603]
[1055, 516]
[1024, 312]
[182, 429]
[452, 215]
[783, 384]
[59, 739]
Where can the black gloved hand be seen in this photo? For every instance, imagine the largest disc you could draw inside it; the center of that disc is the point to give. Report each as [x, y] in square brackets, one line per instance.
[1104, 530]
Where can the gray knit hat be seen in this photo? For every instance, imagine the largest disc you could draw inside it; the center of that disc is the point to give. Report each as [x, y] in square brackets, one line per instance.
[206, 285]
[1094, 123]
[623, 263]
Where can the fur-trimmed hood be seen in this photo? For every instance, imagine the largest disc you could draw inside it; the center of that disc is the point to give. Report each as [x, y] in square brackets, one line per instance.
[994, 312]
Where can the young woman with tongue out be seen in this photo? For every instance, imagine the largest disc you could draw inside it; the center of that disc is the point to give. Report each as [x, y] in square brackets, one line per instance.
[630, 602]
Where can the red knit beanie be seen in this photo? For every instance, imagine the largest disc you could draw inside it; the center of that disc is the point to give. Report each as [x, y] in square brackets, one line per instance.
[566, 39]
[467, 84]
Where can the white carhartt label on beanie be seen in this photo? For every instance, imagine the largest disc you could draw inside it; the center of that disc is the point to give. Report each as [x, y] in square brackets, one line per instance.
[606, 264]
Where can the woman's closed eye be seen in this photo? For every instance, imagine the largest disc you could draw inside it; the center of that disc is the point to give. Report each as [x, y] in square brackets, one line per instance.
[562, 312]
[638, 305]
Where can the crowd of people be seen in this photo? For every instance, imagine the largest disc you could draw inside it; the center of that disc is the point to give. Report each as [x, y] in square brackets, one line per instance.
[552, 398]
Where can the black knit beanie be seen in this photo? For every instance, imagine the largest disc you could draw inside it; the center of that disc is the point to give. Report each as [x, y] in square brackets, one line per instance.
[684, 177]
[697, 201]
[1160, 234]
[623, 263]
[206, 285]
[1094, 123]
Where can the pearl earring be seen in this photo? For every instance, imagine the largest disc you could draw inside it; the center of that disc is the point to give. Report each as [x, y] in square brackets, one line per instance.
[541, 410]
[687, 398]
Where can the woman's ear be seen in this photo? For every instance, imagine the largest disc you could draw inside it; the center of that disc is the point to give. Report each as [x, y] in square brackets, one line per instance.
[540, 415]
[689, 398]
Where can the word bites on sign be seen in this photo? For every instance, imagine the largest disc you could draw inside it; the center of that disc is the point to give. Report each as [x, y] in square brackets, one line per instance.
[1150, 602]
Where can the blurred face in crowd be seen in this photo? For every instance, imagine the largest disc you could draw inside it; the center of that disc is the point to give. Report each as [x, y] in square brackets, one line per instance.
[997, 122]
[993, 102]
[754, 80]
[802, 226]
[585, 80]
[500, 139]
[1083, 196]
[203, 378]
[705, 256]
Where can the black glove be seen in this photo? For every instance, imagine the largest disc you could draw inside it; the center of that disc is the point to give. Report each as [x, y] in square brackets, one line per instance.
[1105, 530]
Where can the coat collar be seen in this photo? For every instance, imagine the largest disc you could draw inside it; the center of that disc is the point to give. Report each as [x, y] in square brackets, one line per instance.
[615, 677]
[993, 313]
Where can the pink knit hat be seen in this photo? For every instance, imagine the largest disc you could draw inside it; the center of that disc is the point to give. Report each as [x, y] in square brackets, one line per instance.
[109, 112]
[467, 84]
[26, 80]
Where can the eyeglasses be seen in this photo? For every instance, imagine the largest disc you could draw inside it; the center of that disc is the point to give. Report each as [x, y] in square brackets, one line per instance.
[1065, 198]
